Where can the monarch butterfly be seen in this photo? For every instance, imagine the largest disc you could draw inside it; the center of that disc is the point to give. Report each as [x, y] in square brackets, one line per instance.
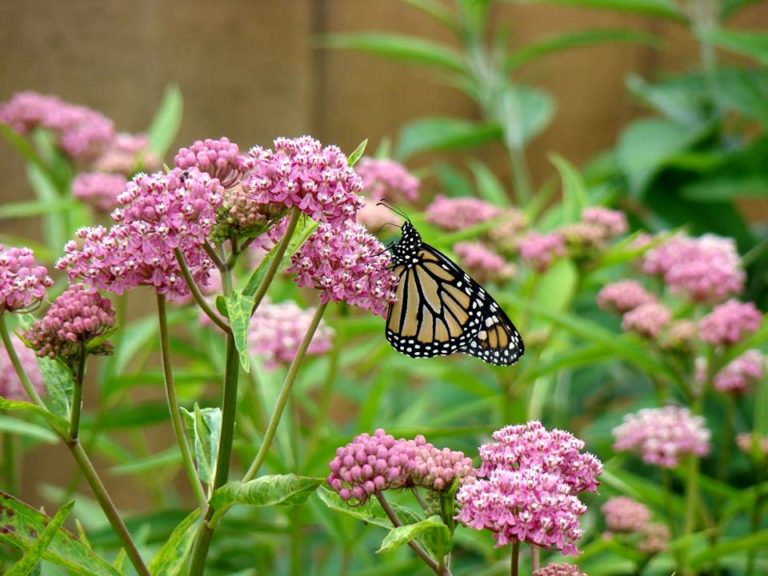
[440, 310]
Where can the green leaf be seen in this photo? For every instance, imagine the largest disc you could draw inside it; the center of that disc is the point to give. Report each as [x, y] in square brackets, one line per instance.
[437, 134]
[757, 541]
[682, 99]
[165, 124]
[574, 189]
[751, 44]
[152, 463]
[488, 184]
[437, 10]
[205, 425]
[433, 528]
[35, 208]
[555, 287]
[22, 146]
[304, 229]
[269, 490]
[661, 8]
[56, 422]
[32, 555]
[730, 7]
[400, 47]
[58, 384]
[358, 153]
[579, 39]
[23, 526]
[371, 512]
[645, 146]
[525, 112]
[171, 558]
[239, 307]
[28, 429]
[639, 488]
[54, 230]
[743, 90]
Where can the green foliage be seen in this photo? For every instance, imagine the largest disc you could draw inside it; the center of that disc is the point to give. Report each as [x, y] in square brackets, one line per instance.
[239, 308]
[162, 131]
[205, 426]
[432, 528]
[171, 559]
[270, 490]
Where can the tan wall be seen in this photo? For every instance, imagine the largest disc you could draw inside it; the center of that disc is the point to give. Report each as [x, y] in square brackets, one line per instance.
[249, 70]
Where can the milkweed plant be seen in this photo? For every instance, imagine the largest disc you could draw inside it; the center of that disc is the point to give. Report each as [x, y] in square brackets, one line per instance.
[203, 331]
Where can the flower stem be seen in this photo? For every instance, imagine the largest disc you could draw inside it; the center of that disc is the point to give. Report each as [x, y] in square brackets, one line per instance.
[274, 266]
[25, 382]
[535, 557]
[77, 395]
[514, 564]
[197, 295]
[173, 404]
[420, 552]
[285, 394]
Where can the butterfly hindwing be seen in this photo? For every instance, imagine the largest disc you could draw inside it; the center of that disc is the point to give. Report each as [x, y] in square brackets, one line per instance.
[441, 310]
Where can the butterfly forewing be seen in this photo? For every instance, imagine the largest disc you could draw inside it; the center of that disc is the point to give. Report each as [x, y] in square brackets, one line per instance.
[440, 310]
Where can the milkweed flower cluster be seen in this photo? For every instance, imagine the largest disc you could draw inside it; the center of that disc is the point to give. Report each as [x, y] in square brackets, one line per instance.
[158, 213]
[11, 387]
[277, 330]
[647, 320]
[745, 443]
[729, 323]
[541, 250]
[460, 213]
[385, 179]
[79, 315]
[705, 269]
[127, 154]
[527, 487]
[346, 263]
[736, 377]
[373, 463]
[559, 570]
[663, 435]
[482, 263]
[623, 514]
[99, 189]
[219, 158]
[23, 282]
[80, 132]
[612, 223]
[623, 296]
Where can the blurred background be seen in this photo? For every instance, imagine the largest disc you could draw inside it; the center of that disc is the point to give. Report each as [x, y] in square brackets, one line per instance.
[254, 70]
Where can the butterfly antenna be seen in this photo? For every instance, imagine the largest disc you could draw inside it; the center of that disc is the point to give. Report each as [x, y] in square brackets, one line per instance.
[389, 205]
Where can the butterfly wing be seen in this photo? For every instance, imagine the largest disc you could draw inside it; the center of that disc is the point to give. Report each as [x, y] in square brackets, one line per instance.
[440, 310]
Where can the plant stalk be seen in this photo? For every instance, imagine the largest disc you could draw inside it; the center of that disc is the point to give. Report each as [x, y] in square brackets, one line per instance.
[274, 266]
[77, 395]
[198, 296]
[514, 563]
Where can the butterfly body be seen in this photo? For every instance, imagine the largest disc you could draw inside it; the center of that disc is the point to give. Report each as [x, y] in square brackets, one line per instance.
[441, 310]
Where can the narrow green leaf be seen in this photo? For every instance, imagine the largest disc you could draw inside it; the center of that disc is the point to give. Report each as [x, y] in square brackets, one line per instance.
[433, 528]
[488, 184]
[751, 44]
[205, 425]
[358, 153]
[437, 10]
[555, 287]
[56, 422]
[32, 555]
[28, 429]
[400, 47]
[35, 208]
[437, 134]
[640, 488]
[239, 308]
[54, 230]
[22, 146]
[757, 541]
[165, 124]
[23, 526]
[371, 512]
[682, 99]
[729, 8]
[269, 490]
[574, 189]
[579, 39]
[524, 113]
[172, 556]
[152, 463]
[58, 384]
[661, 8]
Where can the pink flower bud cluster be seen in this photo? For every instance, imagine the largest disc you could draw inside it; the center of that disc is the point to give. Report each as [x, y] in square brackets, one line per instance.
[738, 376]
[278, 329]
[346, 263]
[81, 133]
[460, 213]
[11, 387]
[372, 463]
[75, 318]
[647, 320]
[611, 222]
[99, 189]
[219, 158]
[706, 269]
[623, 296]
[540, 250]
[559, 570]
[23, 282]
[385, 179]
[663, 435]
[527, 487]
[300, 172]
[729, 323]
[656, 538]
[745, 442]
[128, 154]
[157, 214]
[623, 514]
[240, 214]
[482, 263]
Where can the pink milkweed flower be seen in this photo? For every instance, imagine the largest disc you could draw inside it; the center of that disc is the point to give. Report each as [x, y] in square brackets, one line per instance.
[98, 189]
[346, 263]
[559, 570]
[647, 320]
[385, 179]
[623, 296]
[23, 282]
[219, 158]
[460, 213]
[663, 435]
[738, 376]
[482, 263]
[79, 315]
[729, 323]
[11, 387]
[612, 222]
[127, 154]
[746, 441]
[623, 514]
[540, 250]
